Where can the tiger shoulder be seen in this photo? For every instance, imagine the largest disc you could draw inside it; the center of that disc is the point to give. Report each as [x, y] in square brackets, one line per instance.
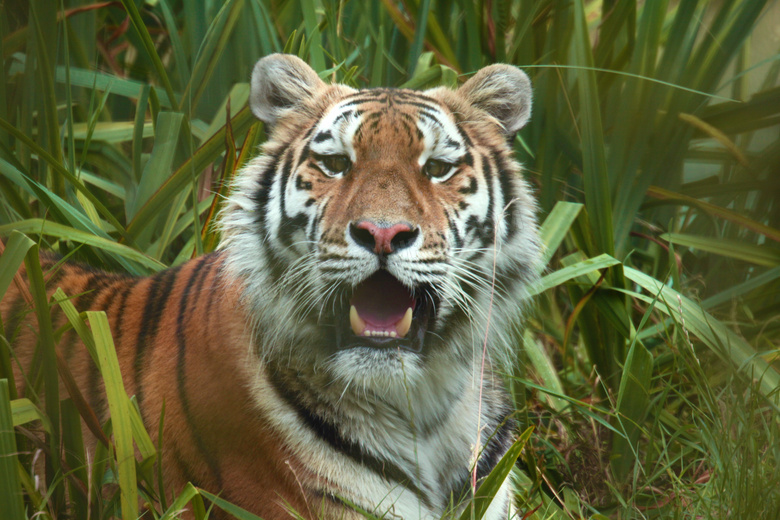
[344, 348]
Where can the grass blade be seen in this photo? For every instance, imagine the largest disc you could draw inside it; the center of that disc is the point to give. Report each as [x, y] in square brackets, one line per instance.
[632, 403]
[44, 227]
[10, 488]
[753, 254]
[24, 411]
[493, 482]
[151, 51]
[569, 272]
[119, 405]
[555, 228]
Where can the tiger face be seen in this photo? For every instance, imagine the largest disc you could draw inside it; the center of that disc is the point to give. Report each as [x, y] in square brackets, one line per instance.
[383, 233]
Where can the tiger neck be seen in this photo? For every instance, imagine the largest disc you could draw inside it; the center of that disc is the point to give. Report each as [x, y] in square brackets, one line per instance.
[422, 435]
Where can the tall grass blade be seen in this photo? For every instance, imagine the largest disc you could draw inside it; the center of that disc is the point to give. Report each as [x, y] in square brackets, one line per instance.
[149, 47]
[633, 398]
[594, 164]
[50, 374]
[555, 228]
[484, 495]
[44, 227]
[10, 488]
[119, 405]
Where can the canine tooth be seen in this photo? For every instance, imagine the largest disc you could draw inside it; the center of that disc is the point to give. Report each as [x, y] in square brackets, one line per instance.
[393, 334]
[358, 325]
[403, 326]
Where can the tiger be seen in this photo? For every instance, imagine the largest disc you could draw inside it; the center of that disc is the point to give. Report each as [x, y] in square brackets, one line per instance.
[344, 349]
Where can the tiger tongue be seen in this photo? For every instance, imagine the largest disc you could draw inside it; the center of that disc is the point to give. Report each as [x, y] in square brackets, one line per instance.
[382, 306]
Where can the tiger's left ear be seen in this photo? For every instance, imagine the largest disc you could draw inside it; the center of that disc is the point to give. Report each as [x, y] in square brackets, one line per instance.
[280, 83]
[504, 92]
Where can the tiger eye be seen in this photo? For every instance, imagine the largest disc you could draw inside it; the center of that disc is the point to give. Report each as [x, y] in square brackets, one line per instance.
[336, 163]
[435, 169]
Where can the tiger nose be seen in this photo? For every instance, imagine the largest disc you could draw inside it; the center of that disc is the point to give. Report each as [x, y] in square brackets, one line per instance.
[383, 239]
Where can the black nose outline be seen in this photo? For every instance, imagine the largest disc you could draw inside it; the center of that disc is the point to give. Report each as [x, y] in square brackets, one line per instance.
[383, 239]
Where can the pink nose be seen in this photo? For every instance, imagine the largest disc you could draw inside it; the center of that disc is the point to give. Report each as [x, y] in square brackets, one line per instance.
[382, 239]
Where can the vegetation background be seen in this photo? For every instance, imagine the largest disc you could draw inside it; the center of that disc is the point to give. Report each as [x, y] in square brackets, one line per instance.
[649, 367]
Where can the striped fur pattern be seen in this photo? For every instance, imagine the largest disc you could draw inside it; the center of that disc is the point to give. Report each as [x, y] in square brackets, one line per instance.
[344, 344]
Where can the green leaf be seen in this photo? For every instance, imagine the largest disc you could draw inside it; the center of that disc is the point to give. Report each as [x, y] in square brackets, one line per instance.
[594, 163]
[183, 177]
[739, 249]
[555, 227]
[632, 404]
[567, 273]
[12, 257]
[24, 411]
[479, 505]
[167, 142]
[239, 513]
[149, 47]
[10, 488]
[119, 405]
[49, 367]
[546, 371]
[38, 226]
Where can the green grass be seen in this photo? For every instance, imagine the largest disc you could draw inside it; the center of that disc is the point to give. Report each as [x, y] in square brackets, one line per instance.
[649, 368]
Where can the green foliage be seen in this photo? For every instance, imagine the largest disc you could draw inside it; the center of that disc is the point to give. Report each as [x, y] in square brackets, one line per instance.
[650, 366]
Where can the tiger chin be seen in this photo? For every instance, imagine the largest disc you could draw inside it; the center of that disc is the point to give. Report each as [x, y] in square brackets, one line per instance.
[344, 348]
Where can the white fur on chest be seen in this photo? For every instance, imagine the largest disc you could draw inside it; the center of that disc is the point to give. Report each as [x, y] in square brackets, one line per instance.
[435, 459]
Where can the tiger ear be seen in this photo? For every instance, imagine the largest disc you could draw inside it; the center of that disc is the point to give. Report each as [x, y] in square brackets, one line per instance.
[281, 82]
[504, 92]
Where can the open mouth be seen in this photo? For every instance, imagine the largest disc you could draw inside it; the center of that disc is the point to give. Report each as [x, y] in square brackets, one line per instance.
[384, 313]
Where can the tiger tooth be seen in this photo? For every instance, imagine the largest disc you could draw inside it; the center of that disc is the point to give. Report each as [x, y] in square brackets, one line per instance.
[403, 326]
[358, 325]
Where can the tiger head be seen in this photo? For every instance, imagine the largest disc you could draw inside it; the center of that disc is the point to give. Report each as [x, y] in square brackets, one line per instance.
[382, 232]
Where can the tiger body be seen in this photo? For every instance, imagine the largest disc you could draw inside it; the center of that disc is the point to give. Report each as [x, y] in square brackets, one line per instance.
[343, 346]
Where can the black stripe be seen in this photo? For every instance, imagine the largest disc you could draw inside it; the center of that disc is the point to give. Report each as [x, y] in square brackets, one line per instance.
[463, 134]
[489, 221]
[343, 115]
[452, 143]
[323, 136]
[472, 187]
[454, 229]
[507, 189]
[184, 469]
[288, 225]
[210, 297]
[197, 277]
[156, 298]
[301, 184]
[497, 445]
[329, 432]
[262, 195]
[56, 275]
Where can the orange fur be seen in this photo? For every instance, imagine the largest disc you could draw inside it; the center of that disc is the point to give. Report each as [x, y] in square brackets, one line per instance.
[209, 417]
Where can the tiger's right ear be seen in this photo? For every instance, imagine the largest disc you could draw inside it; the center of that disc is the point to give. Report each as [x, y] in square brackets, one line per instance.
[281, 82]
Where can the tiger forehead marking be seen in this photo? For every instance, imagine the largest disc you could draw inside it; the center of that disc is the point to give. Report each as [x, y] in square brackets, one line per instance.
[388, 137]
